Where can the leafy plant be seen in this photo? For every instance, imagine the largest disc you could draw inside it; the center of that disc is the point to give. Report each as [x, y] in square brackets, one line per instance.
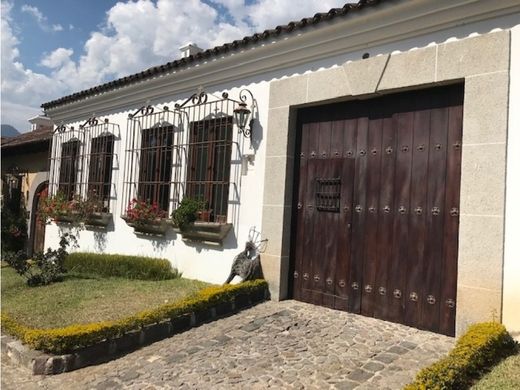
[186, 213]
[93, 204]
[54, 207]
[14, 230]
[141, 212]
[13, 222]
[45, 267]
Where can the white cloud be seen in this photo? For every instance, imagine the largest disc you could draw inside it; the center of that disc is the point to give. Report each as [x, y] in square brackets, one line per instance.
[17, 115]
[136, 35]
[57, 58]
[35, 12]
[265, 14]
[22, 89]
[40, 18]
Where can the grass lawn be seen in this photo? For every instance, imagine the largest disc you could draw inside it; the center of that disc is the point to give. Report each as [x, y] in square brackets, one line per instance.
[84, 299]
[504, 376]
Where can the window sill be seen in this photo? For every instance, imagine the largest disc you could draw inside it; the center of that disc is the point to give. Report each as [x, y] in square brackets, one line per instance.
[156, 227]
[209, 232]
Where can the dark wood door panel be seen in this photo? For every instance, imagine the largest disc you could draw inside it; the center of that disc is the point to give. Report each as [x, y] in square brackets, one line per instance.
[371, 211]
[417, 235]
[385, 233]
[383, 240]
[436, 186]
[448, 290]
[402, 183]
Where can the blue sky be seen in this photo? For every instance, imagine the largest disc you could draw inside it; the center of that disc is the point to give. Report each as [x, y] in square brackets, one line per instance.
[77, 18]
[52, 48]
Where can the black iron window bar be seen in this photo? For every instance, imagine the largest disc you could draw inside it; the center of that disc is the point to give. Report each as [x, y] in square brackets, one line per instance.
[65, 161]
[186, 151]
[101, 160]
[151, 157]
[81, 161]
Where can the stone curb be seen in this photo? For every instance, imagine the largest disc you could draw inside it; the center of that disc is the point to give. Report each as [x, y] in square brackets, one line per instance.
[40, 363]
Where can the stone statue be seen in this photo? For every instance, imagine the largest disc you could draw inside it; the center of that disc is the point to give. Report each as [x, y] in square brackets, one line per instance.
[247, 263]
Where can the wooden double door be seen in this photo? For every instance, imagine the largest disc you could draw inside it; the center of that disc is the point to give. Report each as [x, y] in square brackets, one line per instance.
[377, 207]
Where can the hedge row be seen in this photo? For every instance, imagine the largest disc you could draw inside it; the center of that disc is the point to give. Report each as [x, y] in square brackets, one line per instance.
[70, 338]
[130, 267]
[481, 346]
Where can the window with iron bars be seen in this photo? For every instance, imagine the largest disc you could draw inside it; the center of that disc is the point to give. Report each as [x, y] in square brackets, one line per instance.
[81, 162]
[100, 170]
[69, 168]
[185, 152]
[155, 166]
[209, 164]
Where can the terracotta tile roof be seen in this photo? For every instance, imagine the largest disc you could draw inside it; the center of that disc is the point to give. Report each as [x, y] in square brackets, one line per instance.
[256, 38]
[43, 134]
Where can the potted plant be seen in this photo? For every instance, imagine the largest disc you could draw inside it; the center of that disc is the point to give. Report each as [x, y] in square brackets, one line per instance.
[204, 214]
[95, 212]
[60, 209]
[146, 217]
[186, 213]
[192, 220]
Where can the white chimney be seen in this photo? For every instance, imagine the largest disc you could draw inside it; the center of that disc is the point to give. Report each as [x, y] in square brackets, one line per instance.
[40, 121]
[189, 49]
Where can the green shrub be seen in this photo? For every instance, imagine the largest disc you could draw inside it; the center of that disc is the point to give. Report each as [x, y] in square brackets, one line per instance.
[186, 213]
[70, 338]
[45, 267]
[130, 267]
[13, 224]
[482, 346]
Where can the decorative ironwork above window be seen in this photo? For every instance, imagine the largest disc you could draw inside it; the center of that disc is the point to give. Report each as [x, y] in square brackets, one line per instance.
[328, 194]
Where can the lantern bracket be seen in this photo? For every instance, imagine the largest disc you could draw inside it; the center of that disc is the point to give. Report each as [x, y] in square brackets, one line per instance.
[243, 114]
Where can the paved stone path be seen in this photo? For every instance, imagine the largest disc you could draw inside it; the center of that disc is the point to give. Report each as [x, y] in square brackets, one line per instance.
[272, 345]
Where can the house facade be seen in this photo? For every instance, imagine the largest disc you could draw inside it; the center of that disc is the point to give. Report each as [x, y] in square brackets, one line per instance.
[378, 164]
[25, 174]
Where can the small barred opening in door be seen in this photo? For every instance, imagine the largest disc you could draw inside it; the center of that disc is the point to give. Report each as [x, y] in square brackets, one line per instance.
[376, 207]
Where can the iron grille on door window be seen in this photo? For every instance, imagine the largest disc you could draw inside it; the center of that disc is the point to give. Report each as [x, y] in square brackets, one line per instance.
[209, 162]
[155, 170]
[69, 168]
[100, 170]
[328, 194]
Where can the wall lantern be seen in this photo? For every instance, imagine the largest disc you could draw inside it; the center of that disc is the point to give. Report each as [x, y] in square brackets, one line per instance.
[15, 171]
[14, 175]
[244, 117]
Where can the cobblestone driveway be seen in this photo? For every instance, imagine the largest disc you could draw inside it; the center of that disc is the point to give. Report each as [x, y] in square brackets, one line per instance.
[275, 344]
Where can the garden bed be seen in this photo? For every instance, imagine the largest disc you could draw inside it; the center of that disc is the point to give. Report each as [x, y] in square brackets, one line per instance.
[81, 299]
[52, 350]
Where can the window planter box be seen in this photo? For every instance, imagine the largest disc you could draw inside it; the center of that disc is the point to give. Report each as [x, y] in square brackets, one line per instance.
[72, 217]
[157, 227]
[210, 232]
[98, 219]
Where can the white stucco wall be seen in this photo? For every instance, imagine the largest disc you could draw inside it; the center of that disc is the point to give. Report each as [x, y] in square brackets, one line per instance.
[199, 261]
[511, 297]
